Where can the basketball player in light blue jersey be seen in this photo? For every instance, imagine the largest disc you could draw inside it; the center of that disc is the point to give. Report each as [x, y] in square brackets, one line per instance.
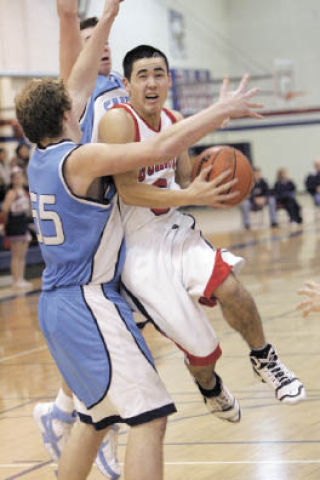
[88, 327]
[108, 90]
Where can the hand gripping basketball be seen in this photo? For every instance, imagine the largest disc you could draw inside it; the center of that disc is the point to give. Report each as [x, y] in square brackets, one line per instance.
[216, 160]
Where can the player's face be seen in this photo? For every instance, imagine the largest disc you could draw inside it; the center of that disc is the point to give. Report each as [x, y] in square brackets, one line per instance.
[149, 84]
[105, 63]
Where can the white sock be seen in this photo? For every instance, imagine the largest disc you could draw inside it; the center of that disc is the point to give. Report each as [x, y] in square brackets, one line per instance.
[64, 402]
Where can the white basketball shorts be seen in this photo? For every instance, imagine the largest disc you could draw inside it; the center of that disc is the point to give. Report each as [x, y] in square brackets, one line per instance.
[170, 269]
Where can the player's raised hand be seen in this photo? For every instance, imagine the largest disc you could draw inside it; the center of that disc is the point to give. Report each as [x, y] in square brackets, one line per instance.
[212, 193]
[311, 304]
[111, 8]
[67, 7]
[239, 100]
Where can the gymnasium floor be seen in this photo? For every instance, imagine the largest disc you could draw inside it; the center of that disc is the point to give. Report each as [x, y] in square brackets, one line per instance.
[272, 441]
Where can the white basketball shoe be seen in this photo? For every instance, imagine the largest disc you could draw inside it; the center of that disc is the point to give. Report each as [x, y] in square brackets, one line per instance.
[223, 405]
[287, 387]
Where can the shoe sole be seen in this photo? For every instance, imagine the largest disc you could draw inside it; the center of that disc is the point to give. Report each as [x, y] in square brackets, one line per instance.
[287, 399]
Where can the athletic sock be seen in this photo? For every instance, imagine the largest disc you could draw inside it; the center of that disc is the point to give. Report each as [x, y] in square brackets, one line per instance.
[64, 402]
[213, 392]
[261, 352]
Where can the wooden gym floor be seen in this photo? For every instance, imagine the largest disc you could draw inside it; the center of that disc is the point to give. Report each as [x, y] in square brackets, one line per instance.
[272, 441]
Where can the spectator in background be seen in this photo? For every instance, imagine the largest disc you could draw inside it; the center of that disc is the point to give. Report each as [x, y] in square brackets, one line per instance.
[284, 192]
[16, 208]
[313, 183]
[260, 196]
[21, 160]
[4, 174]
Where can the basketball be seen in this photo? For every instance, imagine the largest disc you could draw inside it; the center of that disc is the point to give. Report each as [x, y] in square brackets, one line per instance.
[222, 158]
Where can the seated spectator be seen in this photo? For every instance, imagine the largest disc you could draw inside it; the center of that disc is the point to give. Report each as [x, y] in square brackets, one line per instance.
[284, 192]
[313, 183]
[4, 174]
[16, 208]
[260, 196]
[21, 160]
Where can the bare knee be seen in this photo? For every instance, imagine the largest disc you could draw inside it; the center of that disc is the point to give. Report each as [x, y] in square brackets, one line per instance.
[231, 288]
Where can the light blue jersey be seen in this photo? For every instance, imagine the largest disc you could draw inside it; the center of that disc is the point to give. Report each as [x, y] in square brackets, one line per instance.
[108, 91]
[80, 238]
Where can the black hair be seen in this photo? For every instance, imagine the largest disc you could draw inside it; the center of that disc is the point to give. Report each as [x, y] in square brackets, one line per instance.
[137, 53]
[88, 22]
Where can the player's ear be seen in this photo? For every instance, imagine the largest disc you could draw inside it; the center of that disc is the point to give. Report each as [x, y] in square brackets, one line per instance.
[170, 79]
[126, 84]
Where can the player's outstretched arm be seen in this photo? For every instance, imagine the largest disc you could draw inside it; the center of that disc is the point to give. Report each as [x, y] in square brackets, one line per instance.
[84, 73]
[312, 303]
[98, 160]
[118, 127]
[199, 192]
[70, 40]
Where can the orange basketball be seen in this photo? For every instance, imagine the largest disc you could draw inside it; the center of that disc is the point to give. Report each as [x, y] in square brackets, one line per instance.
[222, 158]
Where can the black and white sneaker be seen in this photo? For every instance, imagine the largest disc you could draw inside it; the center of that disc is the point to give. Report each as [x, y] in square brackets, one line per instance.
[270, 370]
[222, 404]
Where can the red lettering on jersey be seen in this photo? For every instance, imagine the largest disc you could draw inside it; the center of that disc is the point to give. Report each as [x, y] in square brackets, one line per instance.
[160, 183]
[149, 171]
[142, 174]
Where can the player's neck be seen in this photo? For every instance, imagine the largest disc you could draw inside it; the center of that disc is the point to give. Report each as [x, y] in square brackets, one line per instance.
[152, 119]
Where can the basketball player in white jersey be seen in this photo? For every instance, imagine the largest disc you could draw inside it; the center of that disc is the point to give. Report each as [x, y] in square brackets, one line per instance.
[192, 262]
[73, 170]
[198, 272]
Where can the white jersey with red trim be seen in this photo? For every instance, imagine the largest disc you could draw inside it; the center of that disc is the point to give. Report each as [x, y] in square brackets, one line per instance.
[170, 269]
[162, 175]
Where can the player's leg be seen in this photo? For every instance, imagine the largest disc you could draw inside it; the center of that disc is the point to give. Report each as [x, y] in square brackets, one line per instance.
[216, 395]
[240, 311]
[105, 397]
[144, 453]
[203, 263]
[55, 421]
[175, 313]
[79, 453]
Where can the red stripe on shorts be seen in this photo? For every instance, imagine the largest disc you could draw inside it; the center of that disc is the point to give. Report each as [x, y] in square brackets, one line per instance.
[220, 272]
[203, 361]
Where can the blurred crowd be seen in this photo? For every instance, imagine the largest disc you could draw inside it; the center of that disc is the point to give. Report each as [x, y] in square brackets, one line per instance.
[16, 220]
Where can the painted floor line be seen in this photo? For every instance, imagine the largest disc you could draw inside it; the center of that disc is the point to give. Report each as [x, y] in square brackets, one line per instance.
[211, 462]
[22, 354]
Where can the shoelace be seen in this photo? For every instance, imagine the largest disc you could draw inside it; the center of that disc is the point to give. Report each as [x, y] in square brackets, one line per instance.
[277, 372]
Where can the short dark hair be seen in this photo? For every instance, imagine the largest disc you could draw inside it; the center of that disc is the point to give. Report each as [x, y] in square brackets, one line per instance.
[40, 107]
[137, 53]
[88, 22]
